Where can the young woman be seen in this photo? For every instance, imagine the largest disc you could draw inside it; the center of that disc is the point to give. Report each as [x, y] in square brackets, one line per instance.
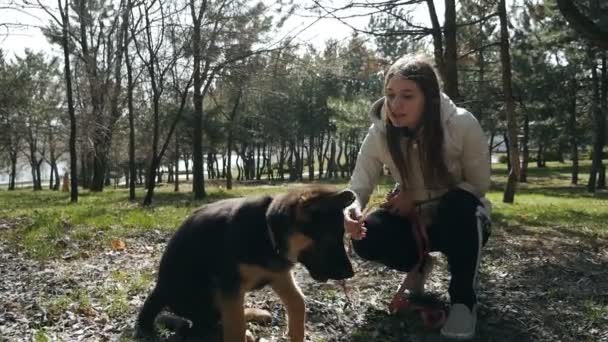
[439, 156]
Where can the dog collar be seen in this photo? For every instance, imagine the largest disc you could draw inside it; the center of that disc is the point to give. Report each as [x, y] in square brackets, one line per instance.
[273, 241]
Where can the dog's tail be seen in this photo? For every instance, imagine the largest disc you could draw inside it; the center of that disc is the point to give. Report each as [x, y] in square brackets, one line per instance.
[152, 306]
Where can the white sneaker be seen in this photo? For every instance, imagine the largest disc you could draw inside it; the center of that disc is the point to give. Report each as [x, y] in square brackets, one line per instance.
[461, 323]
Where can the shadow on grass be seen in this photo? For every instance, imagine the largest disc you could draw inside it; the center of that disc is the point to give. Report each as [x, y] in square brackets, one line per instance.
[569, 221]
[571, 191]
[380, 326]
[555, 170]
[552, 283]
[566, 191]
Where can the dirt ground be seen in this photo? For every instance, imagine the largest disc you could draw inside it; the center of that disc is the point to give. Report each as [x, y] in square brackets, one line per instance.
[548, 284]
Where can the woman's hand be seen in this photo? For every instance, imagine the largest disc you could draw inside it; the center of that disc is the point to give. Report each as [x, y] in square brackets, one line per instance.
[353, 223]
[399, 204]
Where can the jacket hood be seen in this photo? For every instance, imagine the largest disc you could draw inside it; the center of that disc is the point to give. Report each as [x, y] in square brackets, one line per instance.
[377, 114]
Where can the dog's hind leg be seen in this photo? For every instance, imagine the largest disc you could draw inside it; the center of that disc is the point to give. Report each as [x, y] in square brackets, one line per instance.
[145, 321]
[204, 319]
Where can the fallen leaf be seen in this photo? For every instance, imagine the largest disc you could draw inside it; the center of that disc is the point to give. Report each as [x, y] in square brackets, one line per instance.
[118, 245]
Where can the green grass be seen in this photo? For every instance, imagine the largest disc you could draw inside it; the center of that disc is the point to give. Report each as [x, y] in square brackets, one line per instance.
[78, 300]
[48, 224]
[40, 335]
[549, 200]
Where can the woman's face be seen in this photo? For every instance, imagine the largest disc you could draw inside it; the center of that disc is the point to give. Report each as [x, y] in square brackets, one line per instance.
[405, 102]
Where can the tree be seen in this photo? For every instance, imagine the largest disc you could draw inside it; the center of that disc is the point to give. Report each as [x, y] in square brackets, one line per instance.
[158, 58]
[599, 120]
[13, 100]
[505, 57]
[65, 41]
[223, 32]
[595, 32]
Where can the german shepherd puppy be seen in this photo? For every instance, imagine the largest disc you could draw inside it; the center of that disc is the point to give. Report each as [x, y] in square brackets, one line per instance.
[233, 246]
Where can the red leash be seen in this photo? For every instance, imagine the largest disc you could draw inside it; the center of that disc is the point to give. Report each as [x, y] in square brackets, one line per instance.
[432, 317]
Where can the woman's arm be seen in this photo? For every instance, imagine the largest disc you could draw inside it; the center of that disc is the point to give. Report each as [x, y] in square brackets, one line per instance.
[475, 158]
[367, 169]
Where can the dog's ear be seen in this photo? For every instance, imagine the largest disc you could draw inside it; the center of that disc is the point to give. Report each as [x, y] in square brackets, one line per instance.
[336, 200]
[345, 197]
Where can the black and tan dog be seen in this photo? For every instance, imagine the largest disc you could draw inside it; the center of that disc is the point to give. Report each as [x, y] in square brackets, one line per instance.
[230, 247]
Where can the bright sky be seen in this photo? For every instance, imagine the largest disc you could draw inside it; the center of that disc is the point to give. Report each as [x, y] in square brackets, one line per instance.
[307, 27]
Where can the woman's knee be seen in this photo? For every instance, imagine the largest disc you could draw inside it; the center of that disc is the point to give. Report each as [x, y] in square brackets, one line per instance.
[389, 240]
[459, 220]
[371, 247]
[457, 203]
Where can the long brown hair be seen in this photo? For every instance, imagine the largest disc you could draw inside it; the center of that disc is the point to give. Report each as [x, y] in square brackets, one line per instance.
[429, 132]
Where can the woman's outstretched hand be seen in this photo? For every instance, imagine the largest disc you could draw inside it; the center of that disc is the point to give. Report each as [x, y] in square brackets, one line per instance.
[353, 223]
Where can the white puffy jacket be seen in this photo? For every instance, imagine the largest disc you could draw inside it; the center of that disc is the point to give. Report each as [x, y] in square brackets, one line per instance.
[465, 152]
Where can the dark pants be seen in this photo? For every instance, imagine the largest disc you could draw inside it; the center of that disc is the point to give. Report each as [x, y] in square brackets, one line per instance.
[456, 232]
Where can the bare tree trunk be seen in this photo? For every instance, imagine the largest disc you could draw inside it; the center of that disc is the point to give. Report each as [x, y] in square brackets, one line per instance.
[300, 160]
[130, 85]
[341, 165]
[154, 158]
[282, 155]
[34, 166]
[97, 101]
[259, 161]
[573, 133]
[13, 175]
[38, 177]
[170, 174]
[332, 164]
[238, 167]
[523, 177]
[451, 50]
[176, 163]
[33, 172]
[229, 162]
[187, 165]
[84, 170]
[490, 149]
[437, 40]
[224, 165]
[217, 166]
[210, 171]
[57, 179]
[198, 177]
[311, 158]
[322, 153]
[291, 161]
[540, 155]
[157, 75]
[51, 176]
[505, 57]
[599, 127]
[481, 83]
[601, 181]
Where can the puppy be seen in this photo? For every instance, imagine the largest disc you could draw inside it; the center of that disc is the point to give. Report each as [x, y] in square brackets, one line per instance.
[233, 246]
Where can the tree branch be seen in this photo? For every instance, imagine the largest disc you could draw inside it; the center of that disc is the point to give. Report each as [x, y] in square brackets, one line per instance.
[582, 24]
